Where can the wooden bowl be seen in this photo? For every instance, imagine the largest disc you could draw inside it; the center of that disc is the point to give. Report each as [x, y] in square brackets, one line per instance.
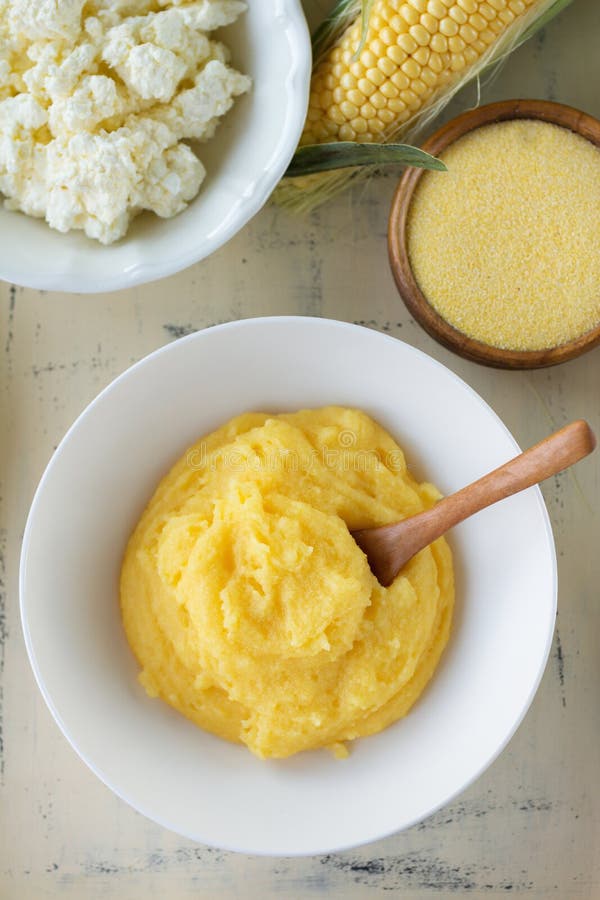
[417, 303]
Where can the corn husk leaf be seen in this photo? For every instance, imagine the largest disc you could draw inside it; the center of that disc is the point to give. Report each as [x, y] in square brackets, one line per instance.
[341, 154]
[301, 194]
[343, 13]
[367, 8]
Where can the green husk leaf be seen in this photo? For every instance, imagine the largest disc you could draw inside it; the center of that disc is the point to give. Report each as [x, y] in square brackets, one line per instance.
[342, 154]
[343, 13]
[365, 15]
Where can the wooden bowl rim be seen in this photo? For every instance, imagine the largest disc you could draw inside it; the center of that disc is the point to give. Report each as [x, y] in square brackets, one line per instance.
[434, 324]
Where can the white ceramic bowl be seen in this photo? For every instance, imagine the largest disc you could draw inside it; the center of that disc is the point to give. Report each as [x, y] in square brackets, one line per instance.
[91, 496]
[248, 155]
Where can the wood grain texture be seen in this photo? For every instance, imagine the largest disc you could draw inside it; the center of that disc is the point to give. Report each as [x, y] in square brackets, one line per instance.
[530, 826]
[390, 547]
[418, 305]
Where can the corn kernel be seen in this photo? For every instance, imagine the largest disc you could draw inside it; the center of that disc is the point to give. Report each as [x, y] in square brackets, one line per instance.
[487, 36]
[378, 48]
[336, 115]
[386, 66]
[496, 26]
[409, 14]
[411, 68]
[377, 100]
[366, 87]
[506, 16]
[368, 59]
[458, 62]
[422, 55]
[469, 6]
[456, 44]
[487, 12]
[387, 116]
[397, 55]
[429, 77]
[467, 33]
[477, 22]
[420, 34]
[429, 22]
[347, 133]
[435, 63]
[436, 9]
[375, 76]
[400, 80]
[367, 111]
[407, 43]
[397, 105]
[320, 131]
[388, 89]
[398, 24]
[410, 98]
[359, 124]
[355, 96]
[349, 110]
[376, 126]
[448, 27]
[388, 36]
[419, 87]
[439, 43]
[459, 15]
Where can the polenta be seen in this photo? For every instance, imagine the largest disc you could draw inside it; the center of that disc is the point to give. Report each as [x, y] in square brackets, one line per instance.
[248, 604]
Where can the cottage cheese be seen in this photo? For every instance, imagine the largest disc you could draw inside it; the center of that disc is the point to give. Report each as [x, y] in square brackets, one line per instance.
[96, 99]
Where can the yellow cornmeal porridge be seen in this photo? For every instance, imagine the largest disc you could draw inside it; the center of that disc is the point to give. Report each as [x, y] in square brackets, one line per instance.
[248, 604]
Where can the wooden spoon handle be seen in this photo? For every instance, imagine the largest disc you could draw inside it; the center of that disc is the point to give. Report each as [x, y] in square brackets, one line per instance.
[552, 455]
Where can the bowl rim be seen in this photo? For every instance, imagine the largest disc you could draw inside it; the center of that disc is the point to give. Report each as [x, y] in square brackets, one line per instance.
[415, 300]
[67, 732]
[293, 23]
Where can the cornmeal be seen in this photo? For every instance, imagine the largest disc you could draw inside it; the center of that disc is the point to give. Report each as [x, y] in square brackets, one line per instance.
[505, 245]
[248, 604]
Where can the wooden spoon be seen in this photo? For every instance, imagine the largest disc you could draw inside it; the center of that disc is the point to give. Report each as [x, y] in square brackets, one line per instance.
[389, 547]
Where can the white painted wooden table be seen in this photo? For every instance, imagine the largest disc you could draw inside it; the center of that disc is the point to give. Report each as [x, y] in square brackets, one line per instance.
[530, 825]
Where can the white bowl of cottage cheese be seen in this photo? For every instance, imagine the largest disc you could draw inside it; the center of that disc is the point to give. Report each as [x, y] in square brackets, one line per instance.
[138, 136]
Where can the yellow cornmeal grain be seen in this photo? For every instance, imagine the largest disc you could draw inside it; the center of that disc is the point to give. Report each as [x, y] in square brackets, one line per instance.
[506, 244]
[248, 603]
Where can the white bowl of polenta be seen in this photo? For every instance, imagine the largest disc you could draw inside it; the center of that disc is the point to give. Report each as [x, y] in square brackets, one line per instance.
[206, 632]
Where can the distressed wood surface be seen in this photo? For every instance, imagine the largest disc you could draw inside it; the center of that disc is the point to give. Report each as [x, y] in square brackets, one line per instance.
[530, 825]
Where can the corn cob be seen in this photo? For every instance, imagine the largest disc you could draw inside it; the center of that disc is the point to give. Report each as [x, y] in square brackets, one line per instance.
[380, 76]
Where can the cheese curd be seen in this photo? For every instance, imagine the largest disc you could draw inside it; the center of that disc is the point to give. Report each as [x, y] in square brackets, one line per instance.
[96, 99]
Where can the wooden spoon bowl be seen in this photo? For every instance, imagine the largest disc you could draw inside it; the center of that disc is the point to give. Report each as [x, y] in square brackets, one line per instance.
[417, 304]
